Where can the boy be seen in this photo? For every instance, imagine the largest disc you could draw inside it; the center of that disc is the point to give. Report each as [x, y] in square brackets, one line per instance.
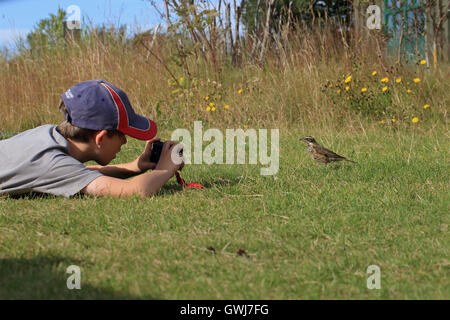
[49, 159]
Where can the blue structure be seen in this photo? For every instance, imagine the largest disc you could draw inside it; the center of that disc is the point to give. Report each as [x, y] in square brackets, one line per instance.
[405, 23]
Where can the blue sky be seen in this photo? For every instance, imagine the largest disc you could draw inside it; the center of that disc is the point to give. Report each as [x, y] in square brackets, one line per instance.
[18, 17]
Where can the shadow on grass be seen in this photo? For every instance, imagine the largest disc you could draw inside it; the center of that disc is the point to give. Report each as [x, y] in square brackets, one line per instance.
[44, 277]
[173, 188]
[41, 196]
[221, 182]
[31, 196]
[166, 190]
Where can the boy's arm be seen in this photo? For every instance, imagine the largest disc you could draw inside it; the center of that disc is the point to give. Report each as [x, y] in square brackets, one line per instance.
[121, 171]
[144, 185]
[130, 169]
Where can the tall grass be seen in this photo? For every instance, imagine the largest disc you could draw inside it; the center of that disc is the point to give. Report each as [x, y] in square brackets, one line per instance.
[297, 83]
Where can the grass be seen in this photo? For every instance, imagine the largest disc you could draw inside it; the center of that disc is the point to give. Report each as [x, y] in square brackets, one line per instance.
[309, 232]
[278, 93]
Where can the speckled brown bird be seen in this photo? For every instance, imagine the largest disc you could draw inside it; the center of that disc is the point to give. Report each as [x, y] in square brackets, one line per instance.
[322, 154]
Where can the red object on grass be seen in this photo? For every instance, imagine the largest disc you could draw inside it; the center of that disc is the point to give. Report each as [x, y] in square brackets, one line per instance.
[189, 185]
[194, 185]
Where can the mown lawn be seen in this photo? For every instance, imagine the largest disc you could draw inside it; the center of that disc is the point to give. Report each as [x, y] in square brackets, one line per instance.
[309, 232]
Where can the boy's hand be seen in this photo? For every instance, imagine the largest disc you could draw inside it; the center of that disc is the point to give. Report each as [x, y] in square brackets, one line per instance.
[143, 161]
[170, 151]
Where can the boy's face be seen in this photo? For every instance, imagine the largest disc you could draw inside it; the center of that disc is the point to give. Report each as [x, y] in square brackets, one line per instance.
[110, 147]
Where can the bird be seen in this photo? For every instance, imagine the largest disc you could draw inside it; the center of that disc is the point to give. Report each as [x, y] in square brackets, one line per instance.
[322, 154]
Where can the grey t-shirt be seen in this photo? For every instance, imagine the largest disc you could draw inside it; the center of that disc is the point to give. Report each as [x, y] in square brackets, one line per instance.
[37, 160]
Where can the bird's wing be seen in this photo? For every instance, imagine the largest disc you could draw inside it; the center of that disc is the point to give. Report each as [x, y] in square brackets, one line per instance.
[329, 153]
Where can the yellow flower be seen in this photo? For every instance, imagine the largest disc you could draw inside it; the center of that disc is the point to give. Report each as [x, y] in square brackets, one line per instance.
[227, 106]
[385, 79]
[348, 79]
[347, 88]
[240, 91]
[330, 85]
[245, 126]
[426, 106]
[416, 80]
[339, 91]
[211, 104]
[213, 109]
[381, 122]
[363, 89]
[398, 80]
[415, 120]
[393, 120]
[208, 108]
[423, 61]
[409, 91]
[384, 89]
[207, 98]
[374, 73]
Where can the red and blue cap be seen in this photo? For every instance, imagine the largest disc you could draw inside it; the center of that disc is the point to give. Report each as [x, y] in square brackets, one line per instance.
[100, 105]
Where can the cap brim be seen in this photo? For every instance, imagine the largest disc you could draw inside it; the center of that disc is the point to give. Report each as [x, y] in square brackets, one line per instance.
[140, 128]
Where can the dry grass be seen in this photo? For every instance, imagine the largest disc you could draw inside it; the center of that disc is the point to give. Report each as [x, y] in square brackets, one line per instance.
[286, 90]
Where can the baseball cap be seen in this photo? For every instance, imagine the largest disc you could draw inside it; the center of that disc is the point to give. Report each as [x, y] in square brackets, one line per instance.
[100, 105]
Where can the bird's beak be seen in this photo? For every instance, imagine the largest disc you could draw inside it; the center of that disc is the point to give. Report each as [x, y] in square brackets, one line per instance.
[302, 139]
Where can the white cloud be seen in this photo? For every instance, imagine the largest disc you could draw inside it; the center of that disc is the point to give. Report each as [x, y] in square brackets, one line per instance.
[9, 36]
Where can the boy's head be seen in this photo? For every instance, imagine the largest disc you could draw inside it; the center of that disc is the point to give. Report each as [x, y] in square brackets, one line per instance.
[100, 105]
[78, 134]
[100, 114]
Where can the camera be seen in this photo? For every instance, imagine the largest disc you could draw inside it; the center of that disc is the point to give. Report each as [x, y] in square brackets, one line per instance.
[157, 149]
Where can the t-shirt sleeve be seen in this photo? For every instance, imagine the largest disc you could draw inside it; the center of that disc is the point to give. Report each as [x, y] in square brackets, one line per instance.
[65, 176]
